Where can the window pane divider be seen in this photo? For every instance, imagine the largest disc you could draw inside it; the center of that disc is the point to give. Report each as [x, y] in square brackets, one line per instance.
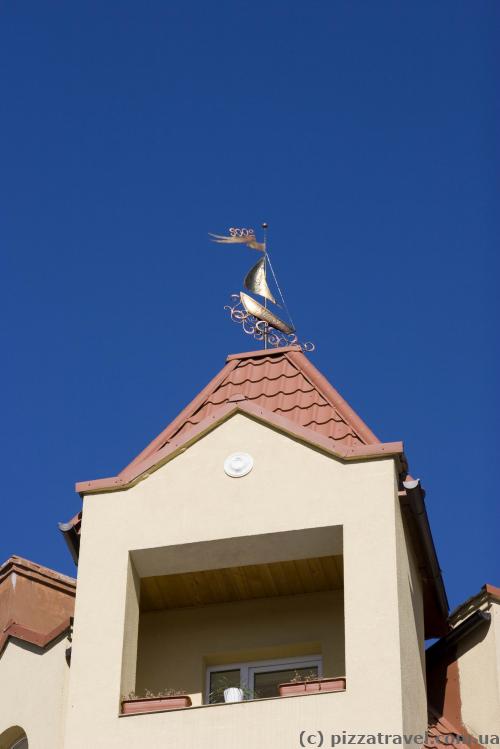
[249, 668]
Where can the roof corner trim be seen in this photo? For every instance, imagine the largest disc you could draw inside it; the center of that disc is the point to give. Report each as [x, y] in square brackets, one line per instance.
[135, 472]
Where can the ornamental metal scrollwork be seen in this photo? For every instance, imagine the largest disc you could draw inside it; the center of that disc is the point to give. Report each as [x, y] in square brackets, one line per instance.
[268, 320]
[234, 232]
[260, 330]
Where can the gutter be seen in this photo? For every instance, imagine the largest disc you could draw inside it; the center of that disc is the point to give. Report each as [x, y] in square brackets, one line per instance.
[449, 641]
[413, 500]
[72, 539]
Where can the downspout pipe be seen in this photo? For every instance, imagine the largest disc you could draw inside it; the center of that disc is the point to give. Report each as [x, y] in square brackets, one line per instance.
[415, 497]
[72, 539]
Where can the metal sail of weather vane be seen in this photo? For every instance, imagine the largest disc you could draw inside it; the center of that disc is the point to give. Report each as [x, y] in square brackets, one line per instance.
[260, 320]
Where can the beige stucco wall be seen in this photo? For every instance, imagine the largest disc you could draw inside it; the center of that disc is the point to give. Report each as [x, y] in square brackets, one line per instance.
[479, 673]
[33, 691]
[175, 646]
[190, 500]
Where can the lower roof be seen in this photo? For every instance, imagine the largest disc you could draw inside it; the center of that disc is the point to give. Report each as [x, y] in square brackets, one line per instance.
[480, 601]
[36, 603]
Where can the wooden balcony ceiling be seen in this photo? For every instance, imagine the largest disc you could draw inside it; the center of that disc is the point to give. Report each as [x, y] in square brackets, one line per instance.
[241, 583]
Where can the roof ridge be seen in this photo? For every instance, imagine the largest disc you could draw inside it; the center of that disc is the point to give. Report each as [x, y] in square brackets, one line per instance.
[263, 352]
[19, 565]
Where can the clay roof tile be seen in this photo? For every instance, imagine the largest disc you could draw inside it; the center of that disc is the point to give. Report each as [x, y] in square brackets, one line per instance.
[440, 732]
[280, 387]
[282, 381]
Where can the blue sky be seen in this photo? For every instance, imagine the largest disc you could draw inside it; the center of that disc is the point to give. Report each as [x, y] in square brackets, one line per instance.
[365, 133]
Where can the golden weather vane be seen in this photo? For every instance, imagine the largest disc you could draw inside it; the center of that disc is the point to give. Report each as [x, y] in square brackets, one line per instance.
[256, 319]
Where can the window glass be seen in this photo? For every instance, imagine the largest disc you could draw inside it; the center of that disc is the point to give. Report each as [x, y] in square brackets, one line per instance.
[266, 682]
[260, 679]
[220, 680]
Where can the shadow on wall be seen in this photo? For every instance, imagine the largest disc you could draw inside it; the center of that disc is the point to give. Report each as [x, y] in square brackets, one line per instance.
[176, 646]
[443, 685]
[13, 738]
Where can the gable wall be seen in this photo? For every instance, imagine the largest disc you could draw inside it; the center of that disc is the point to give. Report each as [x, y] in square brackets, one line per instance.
[33, 691]
[191, 500]
[478, 658]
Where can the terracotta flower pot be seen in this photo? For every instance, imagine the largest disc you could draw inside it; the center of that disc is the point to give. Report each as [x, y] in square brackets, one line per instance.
[292, 687]
[332, 685]
[336, 684]
[155, 704]
[313, 686]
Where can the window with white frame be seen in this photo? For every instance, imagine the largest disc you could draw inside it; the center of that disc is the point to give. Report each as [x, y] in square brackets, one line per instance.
[259, 679]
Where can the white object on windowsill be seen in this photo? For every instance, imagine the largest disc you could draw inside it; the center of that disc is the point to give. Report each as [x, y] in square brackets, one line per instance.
[238, 464]
[233, 694]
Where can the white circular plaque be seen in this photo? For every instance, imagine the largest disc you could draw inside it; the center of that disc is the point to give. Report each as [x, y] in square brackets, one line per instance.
[238, 464]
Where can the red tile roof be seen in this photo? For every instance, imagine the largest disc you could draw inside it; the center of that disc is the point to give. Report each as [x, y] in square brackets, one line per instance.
[36, 603]
[440, 732]
[279, 387]
[282, 381]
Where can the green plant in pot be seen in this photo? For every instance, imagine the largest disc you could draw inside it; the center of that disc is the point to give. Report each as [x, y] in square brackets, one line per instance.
[298, 677]
[310, 681]
[150, 695]
[164, 699]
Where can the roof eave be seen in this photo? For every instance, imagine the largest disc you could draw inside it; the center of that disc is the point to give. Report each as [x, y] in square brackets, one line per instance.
[487, 594]
[171, 428]
[37, 573]
[332, 396]
[72, 539]
[151, 462]
[298, 360]
[26, 634]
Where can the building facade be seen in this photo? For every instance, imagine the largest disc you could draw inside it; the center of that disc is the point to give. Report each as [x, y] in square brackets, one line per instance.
[265, 569]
